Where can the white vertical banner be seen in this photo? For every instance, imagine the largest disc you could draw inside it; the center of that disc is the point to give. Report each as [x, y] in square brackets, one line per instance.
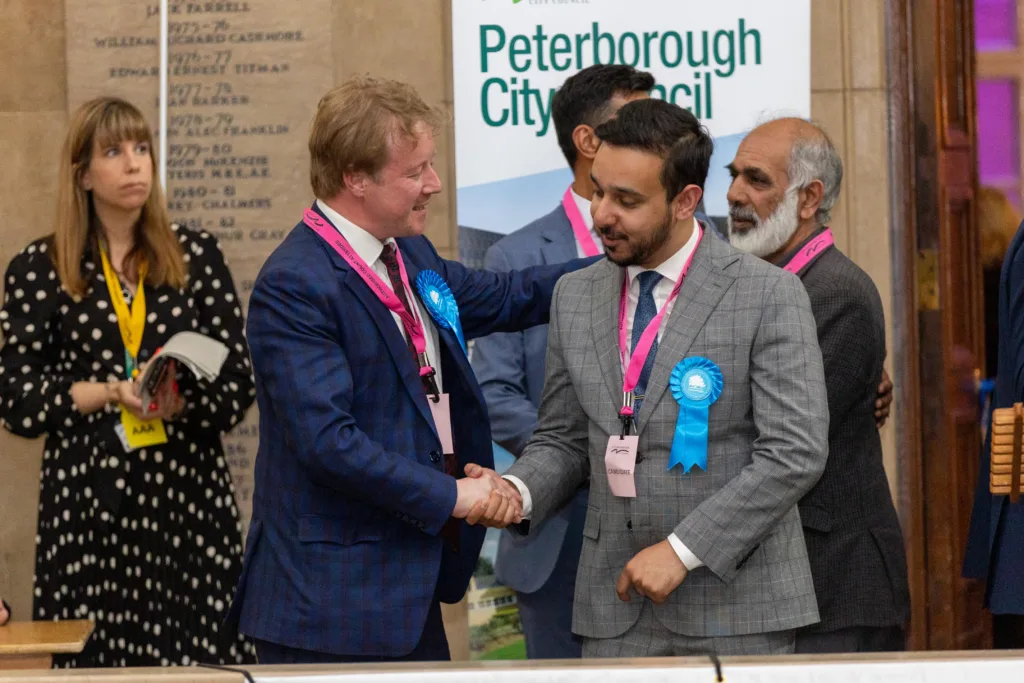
[730, 62]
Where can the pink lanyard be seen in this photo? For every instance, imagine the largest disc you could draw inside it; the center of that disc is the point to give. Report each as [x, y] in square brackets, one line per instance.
[635, 363]
[811, 251]
[579, 227]
[411, 322]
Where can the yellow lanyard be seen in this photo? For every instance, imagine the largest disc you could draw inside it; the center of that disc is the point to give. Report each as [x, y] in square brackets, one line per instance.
[130, 322]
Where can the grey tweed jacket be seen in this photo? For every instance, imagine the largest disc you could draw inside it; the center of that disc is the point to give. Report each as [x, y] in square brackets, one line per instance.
[767, 446]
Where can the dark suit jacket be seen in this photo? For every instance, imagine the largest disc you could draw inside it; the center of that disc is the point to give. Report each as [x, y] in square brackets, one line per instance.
[852, 530]
[344, 554]
[995, 543]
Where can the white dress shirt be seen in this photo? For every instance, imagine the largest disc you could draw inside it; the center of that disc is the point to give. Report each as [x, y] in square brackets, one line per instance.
[369, 249]
[584, 208]
[669, 271]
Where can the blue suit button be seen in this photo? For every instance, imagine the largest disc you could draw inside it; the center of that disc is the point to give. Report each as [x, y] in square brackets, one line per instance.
[435, 456]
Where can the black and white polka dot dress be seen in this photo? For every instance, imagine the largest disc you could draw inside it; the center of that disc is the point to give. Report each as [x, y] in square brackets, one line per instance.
[147, 543]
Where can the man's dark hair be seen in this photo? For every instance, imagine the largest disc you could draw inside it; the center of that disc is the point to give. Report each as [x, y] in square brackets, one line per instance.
[665, 130]
[585, 99]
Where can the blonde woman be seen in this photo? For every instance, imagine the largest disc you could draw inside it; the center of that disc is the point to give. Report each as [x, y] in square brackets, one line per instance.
[138, 527]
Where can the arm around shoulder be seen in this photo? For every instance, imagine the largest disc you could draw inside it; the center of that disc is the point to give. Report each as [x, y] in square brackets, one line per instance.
[505, 302]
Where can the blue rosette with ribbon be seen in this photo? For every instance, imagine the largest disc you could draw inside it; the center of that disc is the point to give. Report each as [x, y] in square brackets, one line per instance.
[439, 301]
[696, 383]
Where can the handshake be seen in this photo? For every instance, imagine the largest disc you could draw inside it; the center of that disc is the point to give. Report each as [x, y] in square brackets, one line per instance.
[485, 498]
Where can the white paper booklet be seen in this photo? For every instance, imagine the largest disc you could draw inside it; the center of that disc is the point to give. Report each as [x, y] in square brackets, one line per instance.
[202, 355]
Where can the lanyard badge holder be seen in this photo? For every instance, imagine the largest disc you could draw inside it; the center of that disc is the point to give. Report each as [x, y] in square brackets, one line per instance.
[134, 433]
[621, 453]
[429, 377]
[413, 326]
[626, 413]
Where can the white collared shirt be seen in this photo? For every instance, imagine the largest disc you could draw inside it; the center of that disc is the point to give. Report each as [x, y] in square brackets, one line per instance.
[669, 270]
[583, 205]
[369, 249]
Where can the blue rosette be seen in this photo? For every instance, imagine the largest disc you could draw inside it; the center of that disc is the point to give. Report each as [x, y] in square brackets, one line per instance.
[439, 301]
[696, 383]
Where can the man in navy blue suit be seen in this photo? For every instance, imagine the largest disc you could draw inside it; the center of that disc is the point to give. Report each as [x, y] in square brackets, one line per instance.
[995, 541]
[541, 567]
[369, 411]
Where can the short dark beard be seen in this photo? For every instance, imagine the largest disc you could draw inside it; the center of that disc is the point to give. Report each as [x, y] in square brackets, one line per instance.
[644, 248]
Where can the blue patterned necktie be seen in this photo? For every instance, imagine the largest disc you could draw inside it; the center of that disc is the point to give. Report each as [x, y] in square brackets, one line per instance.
[645, 312]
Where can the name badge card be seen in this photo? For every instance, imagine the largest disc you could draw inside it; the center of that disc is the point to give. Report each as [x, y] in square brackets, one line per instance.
[135, 433]
[441, 412]
[620, 464]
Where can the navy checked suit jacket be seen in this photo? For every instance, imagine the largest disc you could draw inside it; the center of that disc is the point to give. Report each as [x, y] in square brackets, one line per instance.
[344, 553]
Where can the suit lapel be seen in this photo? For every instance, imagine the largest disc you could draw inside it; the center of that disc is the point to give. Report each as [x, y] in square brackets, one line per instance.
[394, 340]
[704, 287]
[447, 341]
[559, 242]
[444, 335]
[604, 321]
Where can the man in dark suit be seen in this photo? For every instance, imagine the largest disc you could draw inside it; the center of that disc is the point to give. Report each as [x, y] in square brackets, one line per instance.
[369, 411]
[786, 180]
[542, 567]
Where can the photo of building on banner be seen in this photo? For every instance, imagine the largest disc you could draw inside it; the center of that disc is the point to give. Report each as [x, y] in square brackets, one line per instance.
[732, 64]
[495, 631]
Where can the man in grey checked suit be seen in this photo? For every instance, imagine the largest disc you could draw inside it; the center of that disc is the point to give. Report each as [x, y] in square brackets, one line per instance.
[701, 561]
[541, 567]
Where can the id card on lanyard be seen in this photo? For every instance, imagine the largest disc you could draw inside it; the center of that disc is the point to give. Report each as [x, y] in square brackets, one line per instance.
[438, 402]
[131, 322]
[620, 455]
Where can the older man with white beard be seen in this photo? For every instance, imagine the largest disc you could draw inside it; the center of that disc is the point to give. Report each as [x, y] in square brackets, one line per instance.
[786, 180]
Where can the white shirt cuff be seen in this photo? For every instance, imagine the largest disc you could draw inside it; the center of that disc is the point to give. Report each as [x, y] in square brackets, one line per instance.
[689, 560]
[524, 492]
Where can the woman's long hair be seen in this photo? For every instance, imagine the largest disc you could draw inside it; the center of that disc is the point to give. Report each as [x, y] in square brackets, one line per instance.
[111, 121]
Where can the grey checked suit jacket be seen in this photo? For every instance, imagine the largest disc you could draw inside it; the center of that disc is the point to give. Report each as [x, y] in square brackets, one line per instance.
[767, 446]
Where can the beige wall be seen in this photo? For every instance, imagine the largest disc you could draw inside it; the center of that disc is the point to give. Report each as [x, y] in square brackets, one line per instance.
[32, 118]
[849, 98]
